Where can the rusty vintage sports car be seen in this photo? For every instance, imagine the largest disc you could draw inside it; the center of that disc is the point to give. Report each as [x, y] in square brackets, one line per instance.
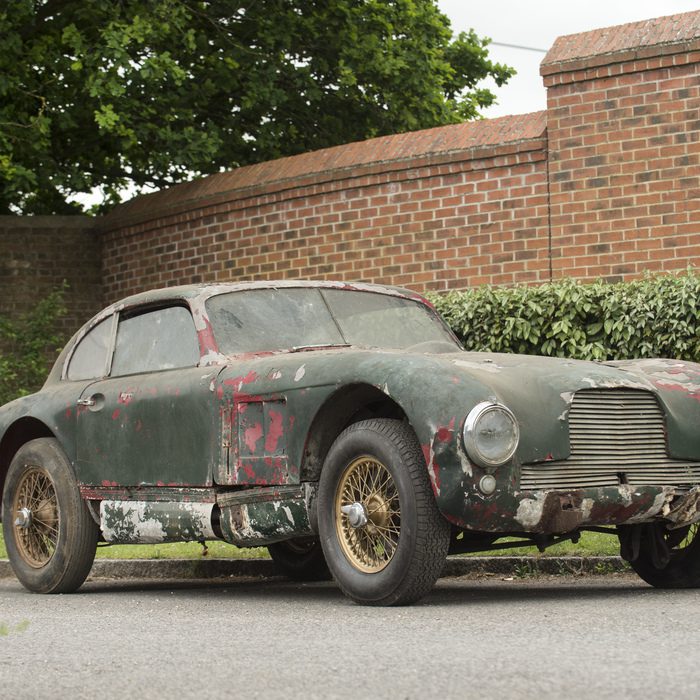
[342, 427]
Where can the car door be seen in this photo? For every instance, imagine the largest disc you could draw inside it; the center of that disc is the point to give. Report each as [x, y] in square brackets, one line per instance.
[153, 421]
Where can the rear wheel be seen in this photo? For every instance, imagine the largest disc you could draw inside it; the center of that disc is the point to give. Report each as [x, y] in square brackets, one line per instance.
[300, 559]
[666, 558]
[49, 534]
[384, 539]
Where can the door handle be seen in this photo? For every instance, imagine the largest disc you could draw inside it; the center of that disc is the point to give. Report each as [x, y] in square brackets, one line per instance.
[94, 402]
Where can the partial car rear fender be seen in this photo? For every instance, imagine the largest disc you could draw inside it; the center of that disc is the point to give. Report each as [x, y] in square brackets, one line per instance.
[19, 433]
[27, 418]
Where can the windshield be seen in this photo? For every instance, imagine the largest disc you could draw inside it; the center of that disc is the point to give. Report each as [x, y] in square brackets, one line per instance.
[285, 319]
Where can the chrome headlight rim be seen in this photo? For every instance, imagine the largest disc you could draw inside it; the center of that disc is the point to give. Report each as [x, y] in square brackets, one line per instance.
[469, 434]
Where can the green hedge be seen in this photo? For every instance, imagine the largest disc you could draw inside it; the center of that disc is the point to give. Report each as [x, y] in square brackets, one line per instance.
[651, 317]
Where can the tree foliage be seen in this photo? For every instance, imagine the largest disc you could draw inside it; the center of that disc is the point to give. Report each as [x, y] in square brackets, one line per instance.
[652, 317]
[109, 93]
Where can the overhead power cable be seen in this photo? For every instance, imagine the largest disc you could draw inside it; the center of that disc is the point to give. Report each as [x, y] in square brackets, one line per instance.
[515, 46]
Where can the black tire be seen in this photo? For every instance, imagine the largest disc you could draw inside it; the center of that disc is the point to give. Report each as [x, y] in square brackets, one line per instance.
[398, 554]
[683, 568]
[50, 536]
[300, 559]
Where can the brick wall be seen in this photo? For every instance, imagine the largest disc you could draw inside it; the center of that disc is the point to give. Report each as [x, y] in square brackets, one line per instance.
[39, 253]
[431, 210]
[623, 124]
[603, 184]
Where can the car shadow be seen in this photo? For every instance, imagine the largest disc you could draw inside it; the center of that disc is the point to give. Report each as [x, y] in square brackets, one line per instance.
[447, 592]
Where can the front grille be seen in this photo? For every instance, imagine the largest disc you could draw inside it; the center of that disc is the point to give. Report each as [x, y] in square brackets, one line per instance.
[617, 436]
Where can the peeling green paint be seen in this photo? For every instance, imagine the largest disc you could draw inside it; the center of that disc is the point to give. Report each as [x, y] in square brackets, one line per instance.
[142, 522]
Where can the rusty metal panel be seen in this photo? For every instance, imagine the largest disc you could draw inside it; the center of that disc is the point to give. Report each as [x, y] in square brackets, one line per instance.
[254, 444]
[265, 515]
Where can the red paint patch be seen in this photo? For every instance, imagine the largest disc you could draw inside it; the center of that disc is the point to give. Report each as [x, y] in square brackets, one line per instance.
[249, 472]
[238, 382]
[433, 468]
[205, 337]
[115, 414]
[678, 387]
[435, 477]
[252, 435]
[274, 432]
[445, 434]
[69, 413]
[109, 483]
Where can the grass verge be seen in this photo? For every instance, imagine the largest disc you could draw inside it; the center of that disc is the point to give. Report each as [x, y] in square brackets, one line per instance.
[591, 544]
[169, 550]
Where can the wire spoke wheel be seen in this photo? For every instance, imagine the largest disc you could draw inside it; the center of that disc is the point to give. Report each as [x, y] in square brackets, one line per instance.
[383, 537]
[36, 517]
[368, 484]
[50, 535]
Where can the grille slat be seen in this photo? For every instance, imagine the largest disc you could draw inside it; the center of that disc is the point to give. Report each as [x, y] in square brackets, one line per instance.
[613, 432]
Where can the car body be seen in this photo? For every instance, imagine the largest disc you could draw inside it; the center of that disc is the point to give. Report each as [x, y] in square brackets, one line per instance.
[344, 427]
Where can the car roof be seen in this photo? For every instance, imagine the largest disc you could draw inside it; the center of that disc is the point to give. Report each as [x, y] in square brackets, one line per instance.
[206, 290]
[202, 291]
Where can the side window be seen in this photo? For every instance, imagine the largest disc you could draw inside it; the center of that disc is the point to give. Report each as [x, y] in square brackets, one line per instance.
[155, 340]
[89, 359]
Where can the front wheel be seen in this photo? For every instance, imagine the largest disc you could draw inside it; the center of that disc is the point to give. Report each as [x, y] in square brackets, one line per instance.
[49, 534]
[666, 558]
[384, 539]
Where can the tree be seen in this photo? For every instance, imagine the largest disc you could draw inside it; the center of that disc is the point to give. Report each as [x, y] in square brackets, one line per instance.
[113, 93]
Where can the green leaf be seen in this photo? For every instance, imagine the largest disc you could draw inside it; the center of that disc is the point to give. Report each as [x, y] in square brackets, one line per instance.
[151, 92]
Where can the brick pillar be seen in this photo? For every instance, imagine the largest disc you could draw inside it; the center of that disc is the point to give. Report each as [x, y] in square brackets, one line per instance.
[623, 124]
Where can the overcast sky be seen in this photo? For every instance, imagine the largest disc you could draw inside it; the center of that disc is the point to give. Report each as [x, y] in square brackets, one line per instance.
[536, 24]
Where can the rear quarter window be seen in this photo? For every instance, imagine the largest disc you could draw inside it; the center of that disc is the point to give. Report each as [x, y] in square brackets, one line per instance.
[89, 359]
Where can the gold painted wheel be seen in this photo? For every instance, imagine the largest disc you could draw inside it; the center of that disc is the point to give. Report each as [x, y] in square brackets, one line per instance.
[382, 534]
[50, 535]
[35, 516]
[370, 527]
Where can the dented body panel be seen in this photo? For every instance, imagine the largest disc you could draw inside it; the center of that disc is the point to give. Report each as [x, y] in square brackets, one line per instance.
[265, 515]
[233, 447]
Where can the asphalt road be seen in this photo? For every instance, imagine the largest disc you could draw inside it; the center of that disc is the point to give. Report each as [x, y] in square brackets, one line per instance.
[548, 637]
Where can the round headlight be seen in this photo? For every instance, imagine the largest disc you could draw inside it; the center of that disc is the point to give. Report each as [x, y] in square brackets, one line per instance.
[490, 434]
